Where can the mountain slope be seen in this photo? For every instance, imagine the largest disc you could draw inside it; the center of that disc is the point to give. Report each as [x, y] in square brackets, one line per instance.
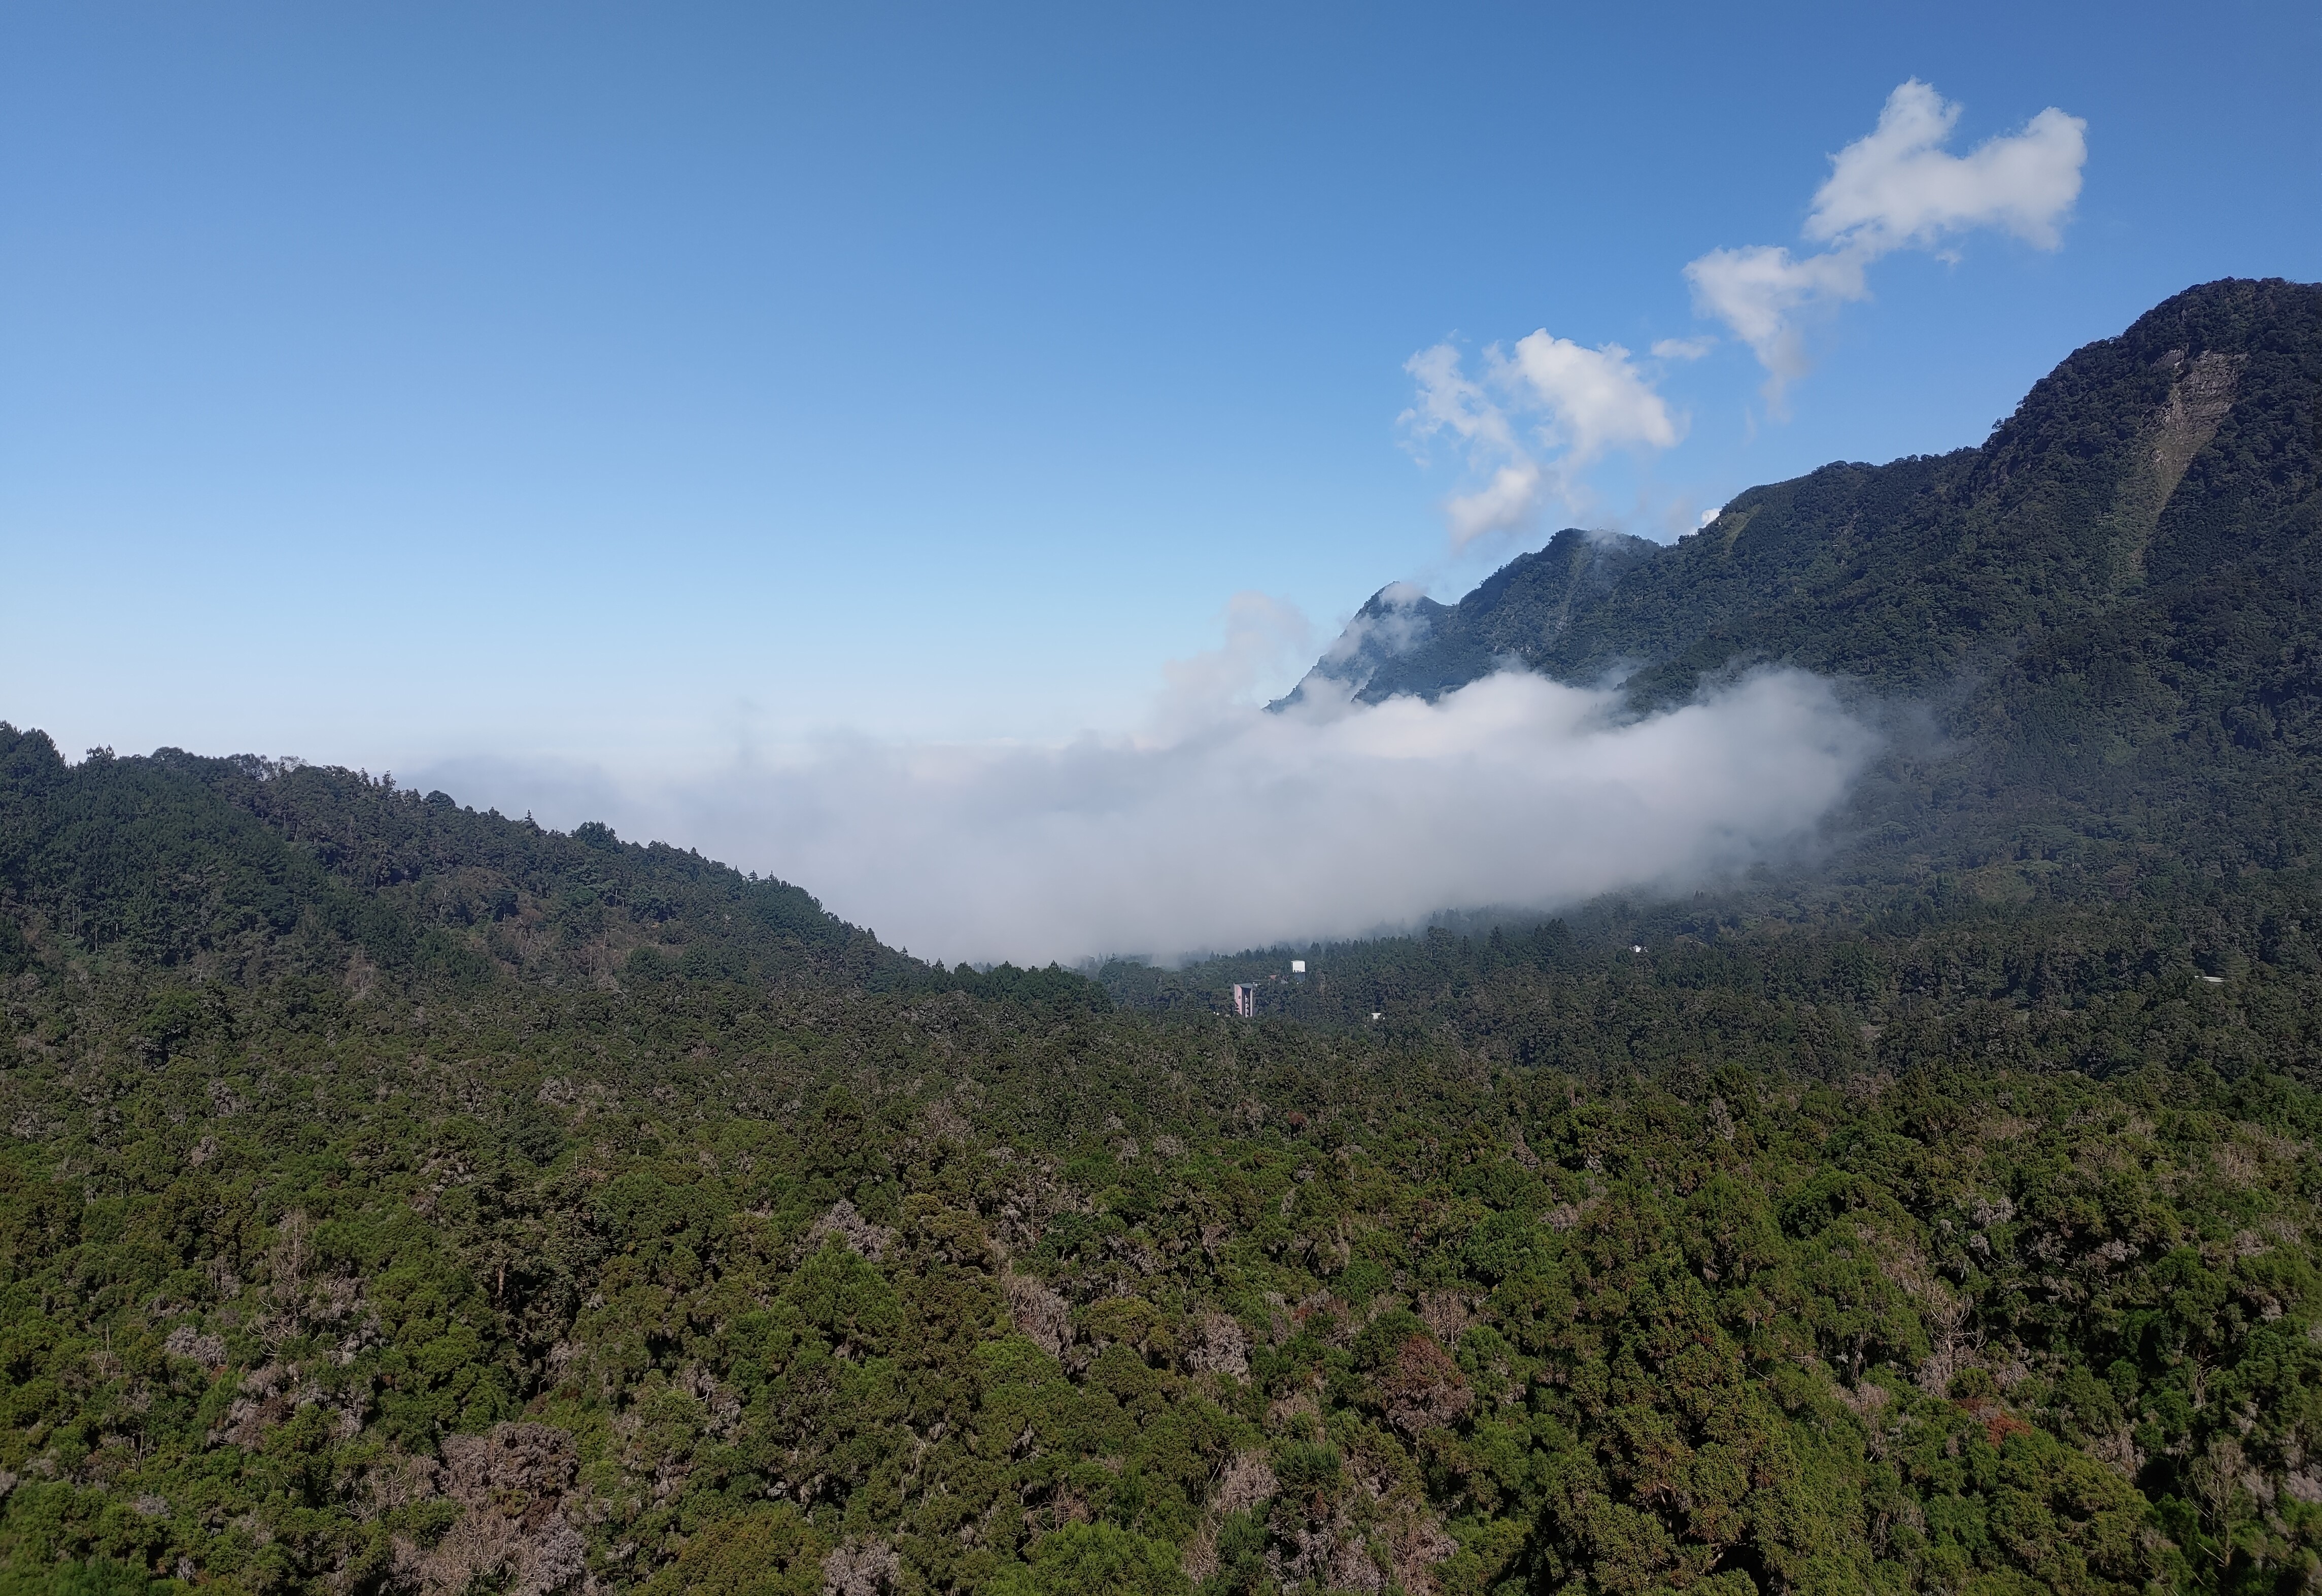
[1802, 1259]
[396, 1200]
[1403, 641]
[2112, 603]
[247, 871]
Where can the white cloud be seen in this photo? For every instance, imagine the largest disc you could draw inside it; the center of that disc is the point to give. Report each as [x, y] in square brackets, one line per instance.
[1265, 637]
[1899, 187]
[1757, 291]
[1395, 625]
[1547, 397]
[1683, 348]
[1895, 187]
[1238, 827]
[1507, 502]
[1448, 401]
[1595, 397]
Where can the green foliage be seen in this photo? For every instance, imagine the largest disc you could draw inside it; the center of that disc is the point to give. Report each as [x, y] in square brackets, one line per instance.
[399, 1200]
[763, 1551]
[684, 1295]
[100, 1576]
[2090, 640]
[1096, 1560]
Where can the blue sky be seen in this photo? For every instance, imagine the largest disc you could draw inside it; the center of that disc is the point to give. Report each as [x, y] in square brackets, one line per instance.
[620, 387]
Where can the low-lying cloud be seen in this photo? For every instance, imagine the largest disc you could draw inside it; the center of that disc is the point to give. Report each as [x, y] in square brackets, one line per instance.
[1242, 828]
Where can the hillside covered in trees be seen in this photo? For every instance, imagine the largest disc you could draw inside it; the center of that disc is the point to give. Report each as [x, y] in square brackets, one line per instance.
[400, 1198]
[2092, 639]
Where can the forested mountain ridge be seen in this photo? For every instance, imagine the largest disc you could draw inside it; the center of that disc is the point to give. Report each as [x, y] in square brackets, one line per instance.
[241, 869]
[1403, 641]
[2144, 474]
[398, 1279]
[2111, 606]
[396, 1200]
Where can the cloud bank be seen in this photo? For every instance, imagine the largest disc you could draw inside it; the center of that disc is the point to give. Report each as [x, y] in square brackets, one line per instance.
[1238, 828]
[1895, 187]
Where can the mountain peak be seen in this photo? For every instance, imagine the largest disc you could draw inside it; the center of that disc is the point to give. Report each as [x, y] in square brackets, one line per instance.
[1401, 641]
[2112, 600]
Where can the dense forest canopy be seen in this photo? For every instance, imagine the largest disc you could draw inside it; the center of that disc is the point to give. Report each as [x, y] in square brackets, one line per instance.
[400, 1198]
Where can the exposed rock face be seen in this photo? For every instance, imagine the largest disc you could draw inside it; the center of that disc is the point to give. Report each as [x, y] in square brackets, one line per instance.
[2168, 465]
[2200, 396]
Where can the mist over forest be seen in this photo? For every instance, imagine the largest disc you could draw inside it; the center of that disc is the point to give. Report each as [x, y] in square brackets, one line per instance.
[1843, 1116]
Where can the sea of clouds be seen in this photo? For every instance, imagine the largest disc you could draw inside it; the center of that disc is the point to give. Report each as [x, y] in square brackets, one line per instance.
[1222, 825]
[1219, 825]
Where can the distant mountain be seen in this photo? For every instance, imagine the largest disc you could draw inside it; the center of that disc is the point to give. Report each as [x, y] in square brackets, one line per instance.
[397, 1200]
[1403, 641]
[2111, 604]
